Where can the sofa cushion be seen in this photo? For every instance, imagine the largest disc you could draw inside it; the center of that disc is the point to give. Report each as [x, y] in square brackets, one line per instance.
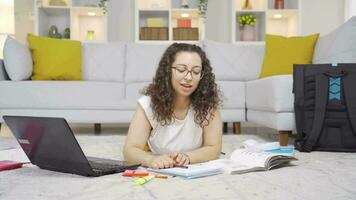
[282, 52]
[338, 46]
[235, 61]
[270, 94]
[133, 90]
[142, 61]
[103, 62]
[55, 59]
[72, 95]
[17, 60]
[233, 93]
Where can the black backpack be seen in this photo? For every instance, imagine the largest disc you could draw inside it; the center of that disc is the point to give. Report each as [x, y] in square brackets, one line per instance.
[325, 107]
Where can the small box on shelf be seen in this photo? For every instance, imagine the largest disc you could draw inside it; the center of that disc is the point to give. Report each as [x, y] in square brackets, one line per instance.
[155, 22]
[184, 23]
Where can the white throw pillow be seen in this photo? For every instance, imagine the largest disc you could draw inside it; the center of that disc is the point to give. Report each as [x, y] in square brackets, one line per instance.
[338, 46]
[17, 60]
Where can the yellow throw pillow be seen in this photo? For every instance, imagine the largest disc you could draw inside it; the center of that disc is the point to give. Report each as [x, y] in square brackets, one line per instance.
[55, 59]
[282, 52]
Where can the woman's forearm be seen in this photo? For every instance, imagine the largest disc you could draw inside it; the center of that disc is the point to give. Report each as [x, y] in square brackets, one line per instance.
[204, 154]
[137, 155]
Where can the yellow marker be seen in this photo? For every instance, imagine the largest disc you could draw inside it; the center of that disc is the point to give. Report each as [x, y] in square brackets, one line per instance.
[143, 180]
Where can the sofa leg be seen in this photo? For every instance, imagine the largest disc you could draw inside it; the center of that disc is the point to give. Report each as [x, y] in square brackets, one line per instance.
[283, 137]
[97, 129]
[224, 127]
[237, 127]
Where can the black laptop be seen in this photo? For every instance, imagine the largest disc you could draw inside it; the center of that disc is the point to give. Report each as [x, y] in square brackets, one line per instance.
[50, 144]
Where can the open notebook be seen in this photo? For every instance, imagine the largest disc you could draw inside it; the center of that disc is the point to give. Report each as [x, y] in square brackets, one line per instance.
[241, 161]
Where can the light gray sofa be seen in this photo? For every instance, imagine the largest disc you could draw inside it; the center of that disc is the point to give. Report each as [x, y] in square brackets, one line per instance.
[114, 73]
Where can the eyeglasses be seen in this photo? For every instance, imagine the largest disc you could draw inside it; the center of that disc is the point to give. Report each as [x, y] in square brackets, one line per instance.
[181, 71]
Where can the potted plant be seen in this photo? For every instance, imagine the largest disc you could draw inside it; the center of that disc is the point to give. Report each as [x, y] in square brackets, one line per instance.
[203, 7]
[247, 23]
[103, 5]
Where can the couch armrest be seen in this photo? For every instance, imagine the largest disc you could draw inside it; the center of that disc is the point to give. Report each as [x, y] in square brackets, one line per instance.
[3, 74]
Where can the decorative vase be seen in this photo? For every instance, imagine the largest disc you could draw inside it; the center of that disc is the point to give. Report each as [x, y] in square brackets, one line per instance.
[184, 4]
[247, 5]
[248, 33]
[66, 33]
[90, 35]
[278, 4]
[53, 32]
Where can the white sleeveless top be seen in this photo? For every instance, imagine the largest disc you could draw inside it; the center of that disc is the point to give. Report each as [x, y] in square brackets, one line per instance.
[179, 136]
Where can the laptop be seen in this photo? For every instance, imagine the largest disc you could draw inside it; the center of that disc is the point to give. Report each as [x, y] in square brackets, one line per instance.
[50, 144]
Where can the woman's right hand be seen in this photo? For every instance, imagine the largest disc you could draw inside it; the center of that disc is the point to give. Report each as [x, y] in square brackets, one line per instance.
[160, 162]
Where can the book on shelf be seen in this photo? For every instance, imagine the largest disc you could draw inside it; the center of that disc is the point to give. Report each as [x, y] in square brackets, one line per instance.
[185, 34]
[241, 161]
[153, 33]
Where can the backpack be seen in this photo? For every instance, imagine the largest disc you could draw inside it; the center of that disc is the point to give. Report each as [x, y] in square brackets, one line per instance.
[325, 107]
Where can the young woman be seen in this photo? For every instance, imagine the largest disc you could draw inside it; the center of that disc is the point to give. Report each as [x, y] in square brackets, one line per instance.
[178, 117]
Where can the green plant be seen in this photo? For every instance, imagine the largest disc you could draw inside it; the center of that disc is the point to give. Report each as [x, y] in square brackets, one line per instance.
[103, 5]
[249, 19]
[203, 7]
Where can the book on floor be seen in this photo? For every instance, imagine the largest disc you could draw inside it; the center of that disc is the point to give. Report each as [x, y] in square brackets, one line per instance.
[244, 160]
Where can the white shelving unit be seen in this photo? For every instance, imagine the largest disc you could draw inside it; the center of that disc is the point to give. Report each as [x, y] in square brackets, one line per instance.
[81, 16]
[269, 20]
[169, 11]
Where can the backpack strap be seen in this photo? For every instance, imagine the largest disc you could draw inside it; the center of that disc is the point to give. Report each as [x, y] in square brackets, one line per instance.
[298, 90]
[321, 99]
[349, 83]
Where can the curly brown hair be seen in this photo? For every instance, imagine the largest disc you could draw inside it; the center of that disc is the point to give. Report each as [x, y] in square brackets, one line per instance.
[204, 99]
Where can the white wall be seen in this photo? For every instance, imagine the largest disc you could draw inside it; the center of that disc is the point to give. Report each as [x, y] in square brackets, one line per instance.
[23, 19]
[317, 16]
[321, 16]
[121, 17]
[350, 9]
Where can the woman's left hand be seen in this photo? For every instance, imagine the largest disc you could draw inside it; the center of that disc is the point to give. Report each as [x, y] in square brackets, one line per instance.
[180, 158]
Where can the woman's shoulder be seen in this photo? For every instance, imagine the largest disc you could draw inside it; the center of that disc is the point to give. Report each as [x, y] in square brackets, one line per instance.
[145, 101]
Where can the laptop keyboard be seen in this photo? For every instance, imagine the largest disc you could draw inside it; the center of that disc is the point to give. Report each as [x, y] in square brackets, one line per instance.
[103, 166]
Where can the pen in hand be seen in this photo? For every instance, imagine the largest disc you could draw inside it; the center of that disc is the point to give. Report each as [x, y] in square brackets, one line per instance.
[180, 166]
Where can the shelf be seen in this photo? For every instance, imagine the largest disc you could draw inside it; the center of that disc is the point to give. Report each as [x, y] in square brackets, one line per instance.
[192, 14]
[81, 16]
[88, 11]
[167, 13]
[53, 16]
[285, 13]
[176, 4]
[83, 24]
[256, 5]
[288, 4]
[285, 22]
[85, 3]
[153, 5]
[46, 3]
